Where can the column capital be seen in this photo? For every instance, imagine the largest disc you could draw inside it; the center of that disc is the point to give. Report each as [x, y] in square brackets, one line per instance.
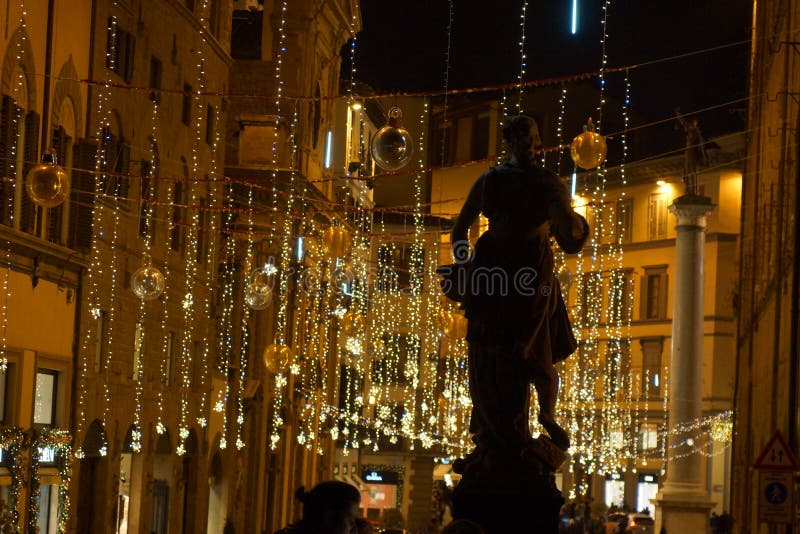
[692, 209]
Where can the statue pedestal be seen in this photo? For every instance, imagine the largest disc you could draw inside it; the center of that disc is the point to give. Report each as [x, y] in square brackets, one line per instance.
[687, 511]
[507, 493]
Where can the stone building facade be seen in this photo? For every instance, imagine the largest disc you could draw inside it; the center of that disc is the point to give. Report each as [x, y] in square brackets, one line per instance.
[134, 98]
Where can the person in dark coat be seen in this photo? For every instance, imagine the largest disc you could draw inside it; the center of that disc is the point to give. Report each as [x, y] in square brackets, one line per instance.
[518, 325]
[330, 507]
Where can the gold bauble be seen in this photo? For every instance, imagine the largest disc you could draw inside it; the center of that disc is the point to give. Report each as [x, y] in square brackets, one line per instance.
[336, 242]
[459, 328]
[588, 150]
[443, 321]
[277, 357]
[353, 323]
[47, 183]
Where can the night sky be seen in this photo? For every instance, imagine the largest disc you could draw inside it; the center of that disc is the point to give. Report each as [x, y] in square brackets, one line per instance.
[402, 47]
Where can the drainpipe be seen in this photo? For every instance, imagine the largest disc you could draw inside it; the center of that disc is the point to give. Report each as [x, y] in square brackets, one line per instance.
[794, 365]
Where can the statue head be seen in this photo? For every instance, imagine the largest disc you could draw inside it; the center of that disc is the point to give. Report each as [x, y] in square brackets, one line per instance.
[521, 134]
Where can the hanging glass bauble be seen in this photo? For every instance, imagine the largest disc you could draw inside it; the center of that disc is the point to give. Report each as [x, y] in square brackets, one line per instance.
[147, 282]
[443, 321]
[258, 289]
[564, 276]
[459, 327]
[353, 323]
[336, 242]
[277, 357]
[588, 150]
[47, 183]
[392, 147]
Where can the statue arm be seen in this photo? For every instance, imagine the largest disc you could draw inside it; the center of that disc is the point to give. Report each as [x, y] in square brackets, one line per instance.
[569, 228]
[459, 237]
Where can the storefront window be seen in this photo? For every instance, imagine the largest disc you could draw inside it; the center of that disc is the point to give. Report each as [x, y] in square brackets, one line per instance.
[646, 490]
[615, 490]
[44, 411]
[48, 509]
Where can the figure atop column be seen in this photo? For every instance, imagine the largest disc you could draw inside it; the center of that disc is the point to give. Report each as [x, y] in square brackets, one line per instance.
[694, 151]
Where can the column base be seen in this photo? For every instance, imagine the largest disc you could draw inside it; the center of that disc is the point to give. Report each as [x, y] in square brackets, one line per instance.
[683, 508]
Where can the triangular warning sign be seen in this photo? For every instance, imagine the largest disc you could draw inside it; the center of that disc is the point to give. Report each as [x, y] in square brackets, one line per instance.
[776, 454]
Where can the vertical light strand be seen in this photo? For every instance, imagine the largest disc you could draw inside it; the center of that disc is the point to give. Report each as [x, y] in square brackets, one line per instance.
[148, 199]
[167, 336]
[503, 117]
[212, 189]
[225, 325]
[414, 346]
[562, 112]
[523, 57]
[286, 239]
[18, 86]
[206, 227]
[284, 274]
[95, 271]
[446, 87]
[116, 179]
[188, 353]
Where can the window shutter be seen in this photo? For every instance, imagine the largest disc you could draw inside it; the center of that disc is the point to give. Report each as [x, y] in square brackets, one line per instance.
[123, 167]
[55, 216]
[80, 232]
[27, 222]
[8, 140]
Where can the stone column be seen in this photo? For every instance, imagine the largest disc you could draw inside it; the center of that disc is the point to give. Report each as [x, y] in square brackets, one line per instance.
[683, 504]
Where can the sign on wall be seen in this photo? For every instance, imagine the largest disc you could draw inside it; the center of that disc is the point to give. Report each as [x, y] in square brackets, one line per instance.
[776, 469]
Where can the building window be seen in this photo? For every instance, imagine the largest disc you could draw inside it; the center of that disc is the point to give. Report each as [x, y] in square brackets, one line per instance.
[160, 507]
[197, 357]
[100, 341]
[389, 365]
[651, 366]
[62, 144]
[246, 33]
[168, 357]
[156, 69]
[116, 157]
[210, 125]
[47, 521]
[648, 436]
[144, 197]
[480, 138]
[186, 104]
[591, 297]
[444, 133]
[657, 217]
[120, 46]
[202, 232]
[654, 293]
[137, 352]
[624, 220]
[176, 232]
[386, 279]
[44, 408]
[618, 367]
[409, 261]
[620, 295]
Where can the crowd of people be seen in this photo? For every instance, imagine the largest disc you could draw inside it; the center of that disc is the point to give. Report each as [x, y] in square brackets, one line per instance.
[332, 507]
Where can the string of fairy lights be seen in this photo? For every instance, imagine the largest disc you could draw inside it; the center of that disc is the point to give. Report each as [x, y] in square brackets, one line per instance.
[395, 367]
[18, 86]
